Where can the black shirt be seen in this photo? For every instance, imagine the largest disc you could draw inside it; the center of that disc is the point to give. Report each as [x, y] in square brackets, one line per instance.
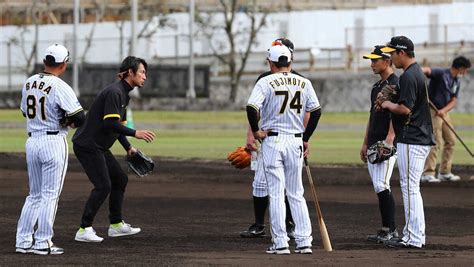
[111, 102]
[414, 128]
[379, 122]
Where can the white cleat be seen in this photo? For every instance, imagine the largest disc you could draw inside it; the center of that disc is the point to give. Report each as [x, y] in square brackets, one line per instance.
[448, 177]
[87, 235]
[304, 250]
[278, 251]
[121, 229]
[429, 179]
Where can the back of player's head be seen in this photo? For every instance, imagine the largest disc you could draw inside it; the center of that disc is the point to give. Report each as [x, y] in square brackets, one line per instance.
[55, 55]
[286, 42]
[280, 55]
[461, 62]
[131, 63]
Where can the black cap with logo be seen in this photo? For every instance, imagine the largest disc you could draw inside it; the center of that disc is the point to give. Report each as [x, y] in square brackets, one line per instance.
[399, 43]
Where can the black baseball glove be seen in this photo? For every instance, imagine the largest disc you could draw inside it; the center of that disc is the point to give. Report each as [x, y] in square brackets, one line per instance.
[140, 163]
[380, 151]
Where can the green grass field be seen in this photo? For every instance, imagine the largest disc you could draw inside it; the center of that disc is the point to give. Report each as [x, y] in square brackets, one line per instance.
[212, 135]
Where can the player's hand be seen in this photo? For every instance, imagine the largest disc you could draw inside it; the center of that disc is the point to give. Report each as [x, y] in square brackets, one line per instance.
[72, 125]
[385, 104]
[146, 135]
[259, 135]
[441, 113]
[363, 153]
[131, 151]
[306, 149]
[250, 145]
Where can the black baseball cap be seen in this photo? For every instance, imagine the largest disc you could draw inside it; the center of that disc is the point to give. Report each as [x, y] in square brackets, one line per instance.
[399, 43]
[286, 42]
[377, 53]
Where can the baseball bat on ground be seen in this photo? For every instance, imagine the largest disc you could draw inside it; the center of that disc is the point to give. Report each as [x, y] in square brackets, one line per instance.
[452, 129]
[322, 226]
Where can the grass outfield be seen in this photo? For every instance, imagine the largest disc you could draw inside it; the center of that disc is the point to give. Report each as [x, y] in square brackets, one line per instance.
[212, 135]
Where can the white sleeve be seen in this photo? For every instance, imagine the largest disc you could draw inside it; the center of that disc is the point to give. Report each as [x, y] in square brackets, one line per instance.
[257, 96]
[23, 99]
[312, 102]
[67, 99]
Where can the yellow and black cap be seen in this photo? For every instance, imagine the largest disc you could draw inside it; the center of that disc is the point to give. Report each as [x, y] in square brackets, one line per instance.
[377, 53]
[399, 43]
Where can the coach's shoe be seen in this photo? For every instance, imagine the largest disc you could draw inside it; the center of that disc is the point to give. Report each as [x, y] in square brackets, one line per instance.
[290, 230]
[278, 251]
[52, 250]
[383, 235]
[448, 177]
[121, 229]
[24, 250]
[399, 244]
[303, 250]
[429, 179]
[87, 235]
[255, 230]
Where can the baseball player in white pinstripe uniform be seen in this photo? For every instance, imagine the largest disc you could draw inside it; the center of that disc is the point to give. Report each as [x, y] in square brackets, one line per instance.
[46, 100]
[281, 100]
[380, 128]
[414, 136]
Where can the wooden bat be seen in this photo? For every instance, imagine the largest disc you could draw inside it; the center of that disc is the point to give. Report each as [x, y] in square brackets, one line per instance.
[322, 226]
[452, 129]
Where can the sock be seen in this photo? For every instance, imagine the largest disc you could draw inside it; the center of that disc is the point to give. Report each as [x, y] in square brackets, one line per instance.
[289, 218]
[260, 205]
[387, 209]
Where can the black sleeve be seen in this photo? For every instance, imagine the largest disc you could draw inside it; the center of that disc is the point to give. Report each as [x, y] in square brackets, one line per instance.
[312, 124]
[407, 89]
[78, 118]
[124, 142]
[252, 116]
[112, 105]
[114, 125]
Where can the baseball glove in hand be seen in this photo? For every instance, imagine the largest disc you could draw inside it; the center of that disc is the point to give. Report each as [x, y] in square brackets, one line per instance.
[140, 163]
[388, 93]
[380, 151]
[240, 158]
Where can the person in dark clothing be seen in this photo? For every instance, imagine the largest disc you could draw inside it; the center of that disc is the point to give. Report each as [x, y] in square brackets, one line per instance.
[92, 142]
[414, 136]
[379, 128]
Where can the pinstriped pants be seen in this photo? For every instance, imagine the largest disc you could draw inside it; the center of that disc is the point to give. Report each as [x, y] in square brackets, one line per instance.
[381, 173]
[411, 160]
[47, 159]
[282, 158]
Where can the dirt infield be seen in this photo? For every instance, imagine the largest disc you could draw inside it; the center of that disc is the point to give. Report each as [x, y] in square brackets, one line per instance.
[191, 213]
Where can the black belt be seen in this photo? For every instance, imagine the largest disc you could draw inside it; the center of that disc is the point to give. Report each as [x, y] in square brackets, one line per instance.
[276, 134]
[47, 133]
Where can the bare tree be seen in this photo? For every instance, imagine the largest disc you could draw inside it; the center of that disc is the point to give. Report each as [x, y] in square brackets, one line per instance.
[156, 20]
[99, 16]
[239, 40]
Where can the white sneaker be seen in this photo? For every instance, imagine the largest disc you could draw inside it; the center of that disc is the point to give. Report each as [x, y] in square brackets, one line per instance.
[303, 250]
[278, 251]
[448, 177]
[429, 179]
[121, 229]
[87, 235]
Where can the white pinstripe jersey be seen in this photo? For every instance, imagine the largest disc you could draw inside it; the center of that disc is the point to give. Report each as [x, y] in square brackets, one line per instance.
[282, 99]
[45, 99]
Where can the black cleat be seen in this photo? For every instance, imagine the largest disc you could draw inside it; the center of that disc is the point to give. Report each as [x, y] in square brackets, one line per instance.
[255, 230]
[398, 244]
[384, 235]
